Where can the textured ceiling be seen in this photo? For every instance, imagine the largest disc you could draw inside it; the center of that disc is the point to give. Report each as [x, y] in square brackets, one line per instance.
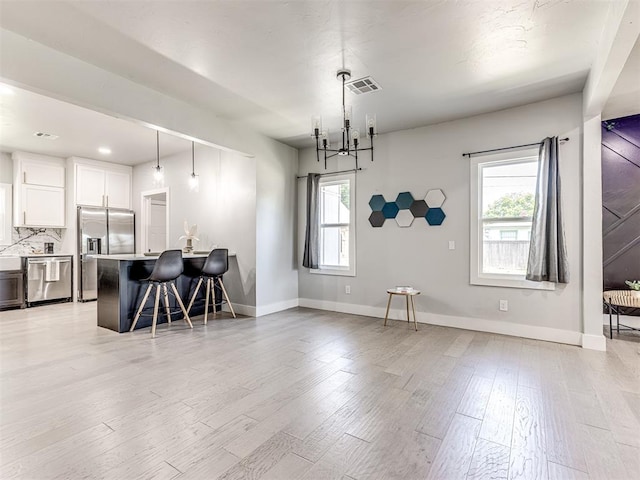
[272, 64]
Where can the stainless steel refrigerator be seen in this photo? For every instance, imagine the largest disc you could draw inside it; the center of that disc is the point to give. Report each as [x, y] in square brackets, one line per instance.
[101, 231]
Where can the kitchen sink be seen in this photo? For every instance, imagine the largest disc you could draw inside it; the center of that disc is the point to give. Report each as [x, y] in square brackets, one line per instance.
[8, 263]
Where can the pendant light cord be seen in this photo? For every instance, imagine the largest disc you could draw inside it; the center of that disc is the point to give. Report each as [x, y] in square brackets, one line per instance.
[193, 160]
[157, 149]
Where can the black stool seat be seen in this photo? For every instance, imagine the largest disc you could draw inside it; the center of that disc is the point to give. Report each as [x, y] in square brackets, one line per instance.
[167, 268]
[215, 265]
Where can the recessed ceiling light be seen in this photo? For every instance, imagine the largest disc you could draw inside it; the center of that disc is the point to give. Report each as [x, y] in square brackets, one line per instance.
[104, 150]
[48, 136]
[5, 90]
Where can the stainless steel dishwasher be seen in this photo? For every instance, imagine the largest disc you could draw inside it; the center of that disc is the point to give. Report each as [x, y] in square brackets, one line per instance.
[49, 279]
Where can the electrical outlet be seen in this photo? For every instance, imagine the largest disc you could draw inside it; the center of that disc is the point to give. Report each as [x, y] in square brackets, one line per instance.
[452, 244]
[504, 305]
[347, 289]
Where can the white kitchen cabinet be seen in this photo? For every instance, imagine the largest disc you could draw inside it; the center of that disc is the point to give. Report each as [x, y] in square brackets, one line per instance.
[42, 206]
[42, 173]
[39, 197]
[118, 189]
[101, 187]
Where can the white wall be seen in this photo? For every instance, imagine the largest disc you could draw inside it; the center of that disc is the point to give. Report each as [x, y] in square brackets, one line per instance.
[6, 168]
[224, 208]
[276, 228]
[431, 157]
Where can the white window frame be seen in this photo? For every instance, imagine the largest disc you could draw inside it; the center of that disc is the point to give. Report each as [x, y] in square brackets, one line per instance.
[477, 276]
[349, 271]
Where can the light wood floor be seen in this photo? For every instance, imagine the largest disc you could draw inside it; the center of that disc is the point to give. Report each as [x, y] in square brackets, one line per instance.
[305, 394]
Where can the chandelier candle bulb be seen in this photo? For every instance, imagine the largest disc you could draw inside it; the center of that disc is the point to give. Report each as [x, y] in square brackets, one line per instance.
[316, 126]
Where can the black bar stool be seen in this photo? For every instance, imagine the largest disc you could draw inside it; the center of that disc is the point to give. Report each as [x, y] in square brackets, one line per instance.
[216, 265]
[168, 267]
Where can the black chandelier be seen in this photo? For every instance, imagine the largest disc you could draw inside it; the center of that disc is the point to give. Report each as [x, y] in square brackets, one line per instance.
[349, 134]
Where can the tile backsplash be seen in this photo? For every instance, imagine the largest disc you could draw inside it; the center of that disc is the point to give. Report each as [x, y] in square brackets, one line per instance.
[26, 240]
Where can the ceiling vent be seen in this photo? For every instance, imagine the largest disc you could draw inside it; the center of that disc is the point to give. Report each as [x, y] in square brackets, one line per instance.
[363, 85]
[48, 136]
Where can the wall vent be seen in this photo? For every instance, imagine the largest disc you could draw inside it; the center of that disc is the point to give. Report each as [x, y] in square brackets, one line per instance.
[363, 85]
[48, 136]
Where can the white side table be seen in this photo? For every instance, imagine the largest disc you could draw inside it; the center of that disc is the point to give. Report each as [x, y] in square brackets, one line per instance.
[408, 293]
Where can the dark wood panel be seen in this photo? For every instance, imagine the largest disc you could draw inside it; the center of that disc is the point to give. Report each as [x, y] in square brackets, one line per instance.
[621, 202]
[620, 180]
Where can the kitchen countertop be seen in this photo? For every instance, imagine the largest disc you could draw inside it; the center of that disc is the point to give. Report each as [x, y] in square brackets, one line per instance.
[140, 256]
[41, 255]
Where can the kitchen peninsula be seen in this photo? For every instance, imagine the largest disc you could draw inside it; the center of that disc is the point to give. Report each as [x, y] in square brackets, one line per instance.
[120, 289]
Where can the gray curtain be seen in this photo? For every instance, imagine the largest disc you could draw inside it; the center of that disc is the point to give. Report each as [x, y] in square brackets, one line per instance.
[310, 259]
[547, 248]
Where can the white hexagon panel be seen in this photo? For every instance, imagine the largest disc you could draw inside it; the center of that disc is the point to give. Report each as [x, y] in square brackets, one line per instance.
[434, 198]
[404, 218]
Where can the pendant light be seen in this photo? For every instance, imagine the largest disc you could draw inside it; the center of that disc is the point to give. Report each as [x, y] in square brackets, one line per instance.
[350, 136]
[158, 171]
[194, 180]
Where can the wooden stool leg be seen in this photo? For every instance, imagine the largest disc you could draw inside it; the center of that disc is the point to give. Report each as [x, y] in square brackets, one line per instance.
[206, 301]
[386, 315]
[155, 312]
[144, 300]
[195, 293]
[224, 292]
[166, 303]
[184, 311]
[413, 305]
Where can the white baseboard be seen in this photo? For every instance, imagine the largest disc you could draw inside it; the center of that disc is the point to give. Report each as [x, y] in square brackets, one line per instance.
[594, 342]
[276, 307]
[251, 311]
[466, 323]
[248, 310]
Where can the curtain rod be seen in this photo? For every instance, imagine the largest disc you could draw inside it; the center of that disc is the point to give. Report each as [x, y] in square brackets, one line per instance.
[509, 148]
[332, 173]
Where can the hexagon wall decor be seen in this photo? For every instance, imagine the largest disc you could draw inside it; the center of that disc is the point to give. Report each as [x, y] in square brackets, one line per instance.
[406, 208]
[404, 200]
[390, 210]
[404, 218]
[435, 216]
[377, 202]
[376, 219]
[419, 208]
[435, 198]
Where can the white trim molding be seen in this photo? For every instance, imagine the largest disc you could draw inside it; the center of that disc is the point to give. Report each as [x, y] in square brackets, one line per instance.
[467, 323]
[594, 342]
[275, 307]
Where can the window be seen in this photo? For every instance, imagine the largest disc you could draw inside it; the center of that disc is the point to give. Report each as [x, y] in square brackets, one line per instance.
[337, 225]
[502, 201]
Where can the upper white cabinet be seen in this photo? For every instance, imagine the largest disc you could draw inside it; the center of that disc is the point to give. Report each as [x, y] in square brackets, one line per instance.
[39, 191]
[41, 173]
[103, 186]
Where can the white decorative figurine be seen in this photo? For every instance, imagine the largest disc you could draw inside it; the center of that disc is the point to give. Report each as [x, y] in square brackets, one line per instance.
[190, 235]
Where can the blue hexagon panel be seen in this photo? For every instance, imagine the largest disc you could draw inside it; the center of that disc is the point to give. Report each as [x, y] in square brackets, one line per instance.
[435, 216]
[390, 210]
[376, 219]
[377, 202]
[404, 200]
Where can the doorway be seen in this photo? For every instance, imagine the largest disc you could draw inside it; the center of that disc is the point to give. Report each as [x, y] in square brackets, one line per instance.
[155, 220]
